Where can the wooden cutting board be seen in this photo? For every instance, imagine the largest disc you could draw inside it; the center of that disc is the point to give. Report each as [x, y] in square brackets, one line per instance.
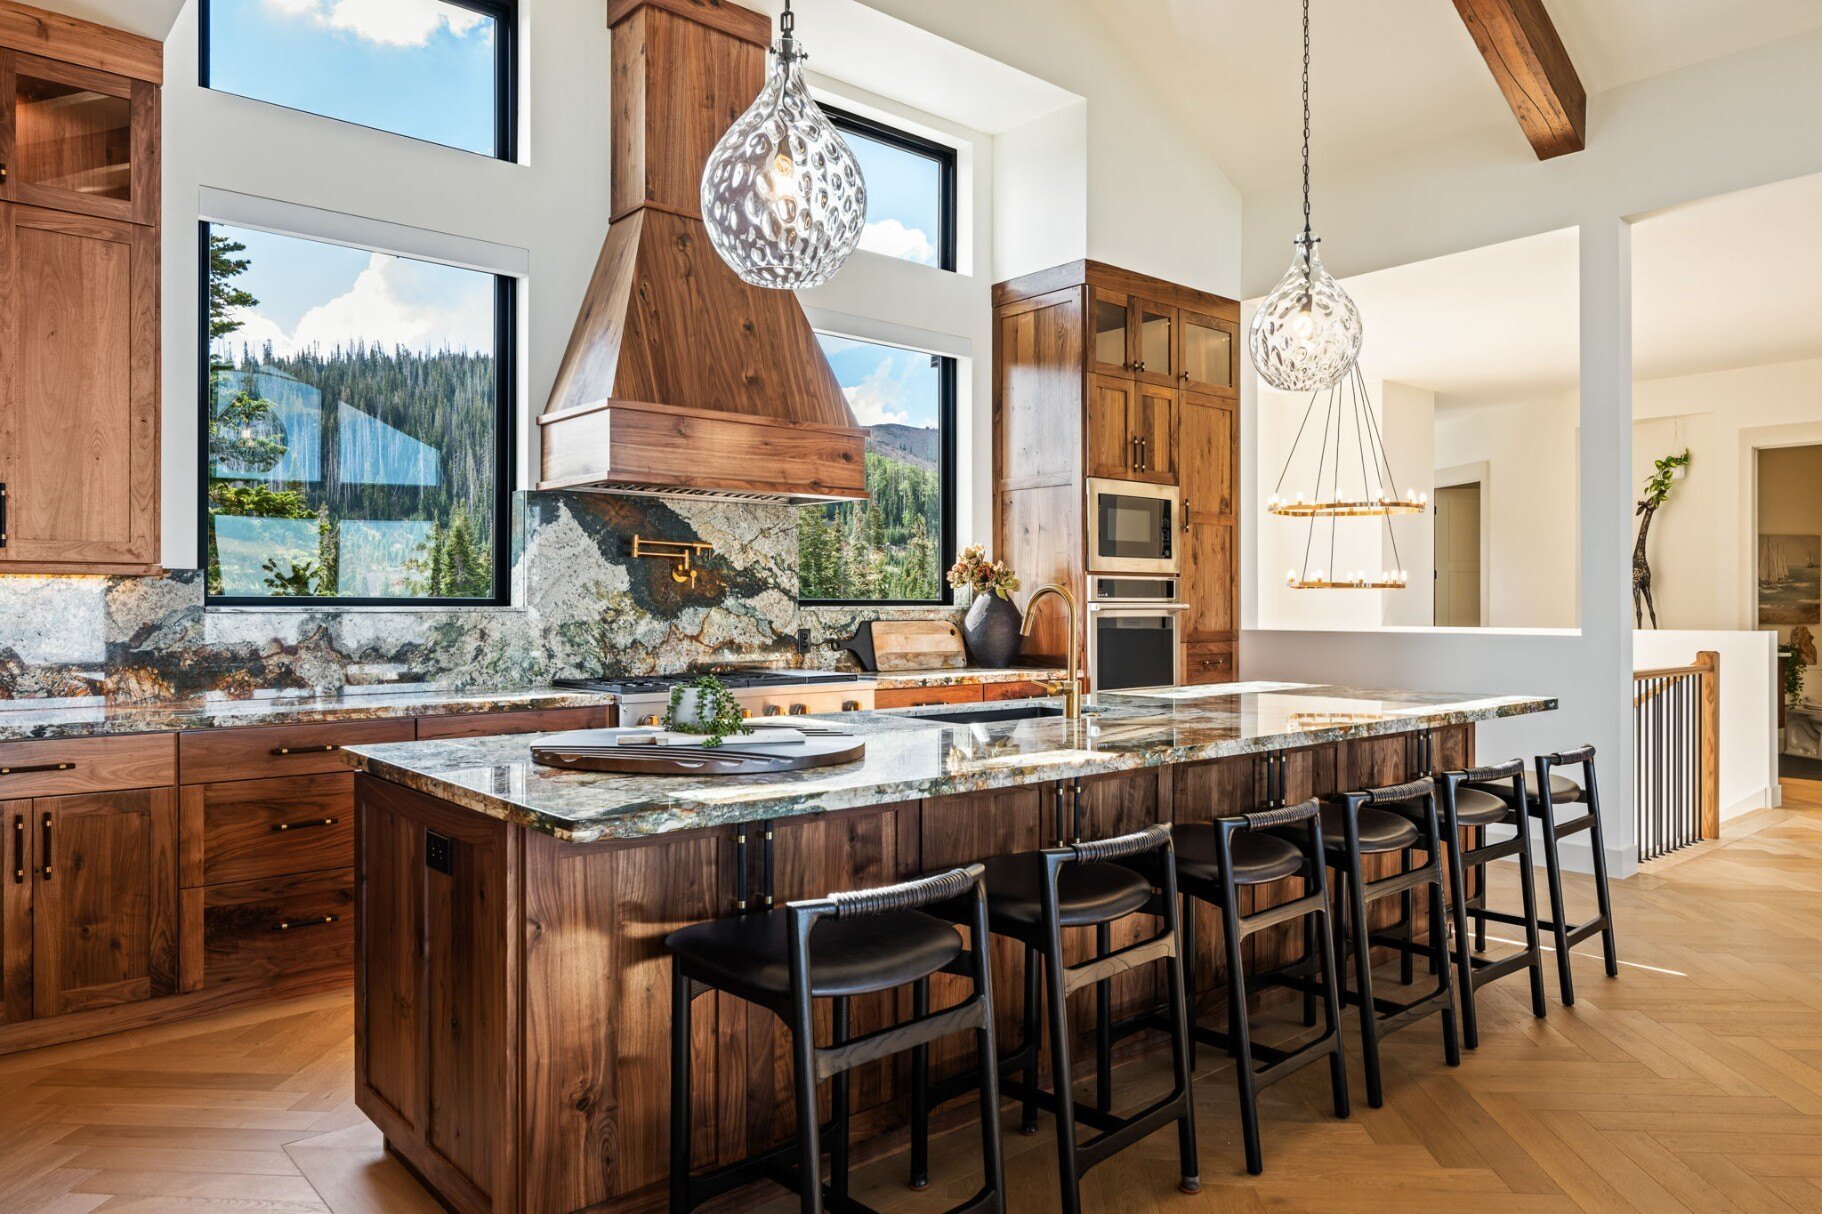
[918, 645]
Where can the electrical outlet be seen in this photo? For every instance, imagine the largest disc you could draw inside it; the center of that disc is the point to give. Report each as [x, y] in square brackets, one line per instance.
[439, 853]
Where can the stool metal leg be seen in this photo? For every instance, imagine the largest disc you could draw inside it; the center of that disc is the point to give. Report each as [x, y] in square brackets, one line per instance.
[1061, 1074]
[1527, 888]
[840, 1109]
[1240, 1031]
[809, 1146]
[1458, 905]
[1103, 1026]
[1028, 1118]
[1553, 874]
[1359, 938]
[920, 1093]
[1603, 899]
[1407, 918]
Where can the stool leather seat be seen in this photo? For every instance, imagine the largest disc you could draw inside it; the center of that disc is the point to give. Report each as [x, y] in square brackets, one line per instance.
[847, 956]
[1563, 790]
[1379, 831]
[1478, 807]
[1258, 857]
[1087, 893]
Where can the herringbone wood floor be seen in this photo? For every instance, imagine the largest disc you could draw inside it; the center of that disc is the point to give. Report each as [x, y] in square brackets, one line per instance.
[1694, 1082]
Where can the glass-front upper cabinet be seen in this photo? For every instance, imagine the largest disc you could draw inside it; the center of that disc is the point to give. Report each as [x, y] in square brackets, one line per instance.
[1208, 353]
[1111, 332]
[1154, 330]
[76, 139]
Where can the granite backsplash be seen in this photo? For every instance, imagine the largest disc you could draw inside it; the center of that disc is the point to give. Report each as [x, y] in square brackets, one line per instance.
[583, 606]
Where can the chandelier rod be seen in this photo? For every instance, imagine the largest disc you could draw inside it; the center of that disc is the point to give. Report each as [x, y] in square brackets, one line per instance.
[1308, 239]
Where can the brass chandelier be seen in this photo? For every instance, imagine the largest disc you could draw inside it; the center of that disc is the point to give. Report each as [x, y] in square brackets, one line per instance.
[1349, 483]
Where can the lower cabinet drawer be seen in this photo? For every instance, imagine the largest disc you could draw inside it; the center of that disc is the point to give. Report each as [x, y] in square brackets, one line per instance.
[246, 752]
[247, 829]
[536, 720]
[916, 697]
[256, 931]
[1208, 663]
[1018, 691]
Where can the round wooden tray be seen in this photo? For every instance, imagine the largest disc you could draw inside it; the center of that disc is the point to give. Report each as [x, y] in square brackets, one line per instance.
[728, 759]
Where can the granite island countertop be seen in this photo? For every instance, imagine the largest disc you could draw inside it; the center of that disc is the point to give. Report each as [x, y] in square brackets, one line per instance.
[94, 716]
[909, 757]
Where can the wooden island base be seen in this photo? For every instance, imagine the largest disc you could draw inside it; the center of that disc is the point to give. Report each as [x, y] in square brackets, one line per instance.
[513, 997]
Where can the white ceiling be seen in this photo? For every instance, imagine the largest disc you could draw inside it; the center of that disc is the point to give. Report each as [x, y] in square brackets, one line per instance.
[1394, 74]
[1733, 281]
[149, 18]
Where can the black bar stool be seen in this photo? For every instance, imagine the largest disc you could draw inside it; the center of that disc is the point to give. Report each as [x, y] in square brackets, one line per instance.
[837, 947]
[1468, 808]
[1031, 898]
[1552, 790]
[1215, 860]
[1378, 821]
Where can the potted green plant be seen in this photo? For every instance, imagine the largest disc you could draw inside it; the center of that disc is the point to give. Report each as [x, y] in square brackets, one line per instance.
[991, 627]
[707, 708]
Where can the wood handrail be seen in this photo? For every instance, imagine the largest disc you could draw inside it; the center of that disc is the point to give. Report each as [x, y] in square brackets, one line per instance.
[1706, 662]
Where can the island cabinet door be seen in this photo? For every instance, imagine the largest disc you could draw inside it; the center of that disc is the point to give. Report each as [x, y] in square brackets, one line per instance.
[435, 990]
[594, 1124]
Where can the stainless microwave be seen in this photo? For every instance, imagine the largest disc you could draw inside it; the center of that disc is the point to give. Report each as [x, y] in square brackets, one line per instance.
[1132, 527]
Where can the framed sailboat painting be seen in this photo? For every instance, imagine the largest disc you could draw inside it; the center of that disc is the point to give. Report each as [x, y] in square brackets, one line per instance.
[1790, 580]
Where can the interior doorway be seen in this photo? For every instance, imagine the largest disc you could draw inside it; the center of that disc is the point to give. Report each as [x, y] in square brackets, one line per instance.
[1788, 595]
[1459, 572]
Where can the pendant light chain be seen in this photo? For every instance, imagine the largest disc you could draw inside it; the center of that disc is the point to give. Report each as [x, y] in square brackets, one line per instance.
[1306, 120]
[787, 33]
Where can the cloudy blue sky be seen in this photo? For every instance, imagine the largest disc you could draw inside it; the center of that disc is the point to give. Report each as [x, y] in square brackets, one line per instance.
[424, 69]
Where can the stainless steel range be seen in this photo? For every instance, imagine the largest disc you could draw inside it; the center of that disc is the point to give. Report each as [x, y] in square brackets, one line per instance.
[762, 693]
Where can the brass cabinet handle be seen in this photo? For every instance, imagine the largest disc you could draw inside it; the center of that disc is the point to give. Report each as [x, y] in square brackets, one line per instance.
[20, 771]
[1186, 516]
[304, 750]
[1133, 454]
[1144, 454]
[305, 825]
[285, 925]
[44, 869]
[18, 849]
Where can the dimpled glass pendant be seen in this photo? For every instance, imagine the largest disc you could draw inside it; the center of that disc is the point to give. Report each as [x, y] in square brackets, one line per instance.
[1307, 333]
[782, 194]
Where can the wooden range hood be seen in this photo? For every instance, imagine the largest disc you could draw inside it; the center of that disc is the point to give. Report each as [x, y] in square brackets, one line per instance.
[679, 377]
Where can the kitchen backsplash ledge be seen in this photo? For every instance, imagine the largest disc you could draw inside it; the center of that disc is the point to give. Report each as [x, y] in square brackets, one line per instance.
[582, 606]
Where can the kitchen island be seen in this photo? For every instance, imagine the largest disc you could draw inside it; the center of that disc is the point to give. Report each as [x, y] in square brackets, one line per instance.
[512, 990]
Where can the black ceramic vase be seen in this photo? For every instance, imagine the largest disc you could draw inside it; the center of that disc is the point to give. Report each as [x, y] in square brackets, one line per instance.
[991, 629]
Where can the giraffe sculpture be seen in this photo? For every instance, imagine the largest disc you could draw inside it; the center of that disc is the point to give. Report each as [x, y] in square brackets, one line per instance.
[1657, 490]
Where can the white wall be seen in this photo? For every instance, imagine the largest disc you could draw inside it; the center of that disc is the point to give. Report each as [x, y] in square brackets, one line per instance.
[1528, 503]
[1749, 706]
[549, 213]
[1717, 126]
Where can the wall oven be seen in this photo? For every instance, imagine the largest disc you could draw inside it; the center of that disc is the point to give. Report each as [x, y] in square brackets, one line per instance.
[1133, 632]
[1131, 527]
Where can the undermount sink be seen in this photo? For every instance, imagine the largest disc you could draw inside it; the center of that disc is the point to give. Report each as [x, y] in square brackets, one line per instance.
[982, 716]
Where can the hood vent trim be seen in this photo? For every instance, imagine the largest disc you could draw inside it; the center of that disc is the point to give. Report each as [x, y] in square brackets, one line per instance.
[680, 379]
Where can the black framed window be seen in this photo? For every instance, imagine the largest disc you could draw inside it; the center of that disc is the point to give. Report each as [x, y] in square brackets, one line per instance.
[910, 191]
[445, 71]
[355, 439]
[894, 548]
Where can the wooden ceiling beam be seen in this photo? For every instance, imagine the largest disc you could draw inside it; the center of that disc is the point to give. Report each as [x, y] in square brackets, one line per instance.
[1527, 58]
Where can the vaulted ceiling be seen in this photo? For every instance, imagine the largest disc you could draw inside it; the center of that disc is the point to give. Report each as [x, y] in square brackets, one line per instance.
[1391, 75]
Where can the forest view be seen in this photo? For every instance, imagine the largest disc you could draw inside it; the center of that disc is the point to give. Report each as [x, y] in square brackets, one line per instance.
[352, 471]
[890, 546]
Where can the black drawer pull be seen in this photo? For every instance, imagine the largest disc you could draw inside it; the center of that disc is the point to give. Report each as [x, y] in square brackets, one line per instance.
[18, 849]
[305, 825]
[304, 750]
[20, 771]
[45, 860]
[285, 925]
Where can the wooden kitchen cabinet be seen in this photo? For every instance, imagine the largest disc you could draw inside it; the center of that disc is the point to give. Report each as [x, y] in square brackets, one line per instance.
[79, 391]
[79, 330]
[1132, 430]
[20, 841]
[104, 903]
[919, 697]
[77, 139]
[1126, 377]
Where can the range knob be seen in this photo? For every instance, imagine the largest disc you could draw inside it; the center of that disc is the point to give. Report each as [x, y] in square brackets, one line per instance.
[651, 720]
[772, 710]
[745, 712]
[798, 710]
[850, 705]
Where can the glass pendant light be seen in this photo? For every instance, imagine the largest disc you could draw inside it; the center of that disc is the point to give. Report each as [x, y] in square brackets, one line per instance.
[1307, 334]
[782, 194]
